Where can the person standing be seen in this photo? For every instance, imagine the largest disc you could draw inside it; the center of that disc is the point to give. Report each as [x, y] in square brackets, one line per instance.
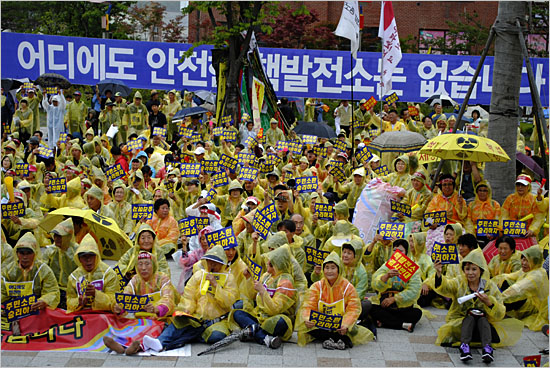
[76, 114]
[55, 113]
[344, 112]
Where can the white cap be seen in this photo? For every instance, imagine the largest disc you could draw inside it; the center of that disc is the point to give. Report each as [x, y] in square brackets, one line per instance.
[360, 171]
[199, 151]
[204, 193]
[374, 158]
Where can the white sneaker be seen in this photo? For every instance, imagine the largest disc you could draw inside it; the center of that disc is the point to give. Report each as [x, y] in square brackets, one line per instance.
[150, 343]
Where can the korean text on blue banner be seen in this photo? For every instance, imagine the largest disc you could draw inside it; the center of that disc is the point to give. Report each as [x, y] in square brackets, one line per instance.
[295, 147]
[115, 172]
[434, 218]
[211, 194]
[57, 185]
[364, 155]
[190, 170]
[306, 184]
[217, 131]
[219, 179]
[122, 281]
[16, 209]
[446, 253]
[487, 227]
[325, 321]
[315, 256]
[228, 162]
[142, 210]
[210, 166]
[399, 207]
[264, 219]
[338, 174]
[245, 157]
[159, 131]
[255, 269]
[390, 230]
[44, 152]
[281, 146]
[381, 170]
[321, 152]
[514, 228]
[22, 169]
[229, 135]
[224, 237]
[309, 139]
[188, 226]
[248, 173]
[324, 211]
[18, 308]
[340, 145]
[134, 144]
[132, 303]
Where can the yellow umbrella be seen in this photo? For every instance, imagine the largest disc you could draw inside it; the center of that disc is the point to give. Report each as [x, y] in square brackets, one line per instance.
[113, 242]
[464, 147]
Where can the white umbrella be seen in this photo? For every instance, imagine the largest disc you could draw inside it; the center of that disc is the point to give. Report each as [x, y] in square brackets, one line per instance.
[444, 100]
[482, 112]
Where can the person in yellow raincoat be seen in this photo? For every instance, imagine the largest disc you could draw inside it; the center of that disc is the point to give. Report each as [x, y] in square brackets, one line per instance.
[135, 117]
[94, 198]
[14, 226]
[400, 176]
[522, 203]
[231, 203]
[165, 226]
[70, 199]
[325, 231]
[483, 207]
[8, 254]
[274, 134]
[352, 188]
[507, 260]
[120, 208]
[419, 195]
[145, 241]
[449, 200]
[204, 306]
[478, 319]
[419, 256]
[377, 253]
[153, 283]
[393, 305]
[28, 275]
[60, 256]
[25, 117]
[92, 286]
[527, 298]
[336, 296]
[267, 317]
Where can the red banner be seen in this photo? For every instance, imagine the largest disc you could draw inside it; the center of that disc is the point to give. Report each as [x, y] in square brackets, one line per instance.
[56, 330]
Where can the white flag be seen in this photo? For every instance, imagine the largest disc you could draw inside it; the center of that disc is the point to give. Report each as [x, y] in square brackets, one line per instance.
[348, 26]
[391, 50]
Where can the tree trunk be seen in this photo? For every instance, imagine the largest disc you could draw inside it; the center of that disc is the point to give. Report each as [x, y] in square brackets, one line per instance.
[504, 115]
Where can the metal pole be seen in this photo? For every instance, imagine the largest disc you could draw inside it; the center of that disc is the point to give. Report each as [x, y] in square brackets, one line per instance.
[537, 106]
[467, 97]
[352, 107]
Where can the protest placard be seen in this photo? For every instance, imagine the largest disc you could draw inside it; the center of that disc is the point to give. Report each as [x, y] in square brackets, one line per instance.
[248, 173]
[206, 287]
[250, 142]
[209, 166]
[142, 210]
[446, 253]
[325, 321]
[487, 227]
[434, 218]
[244, 158]
[363, 155]
[16, 209]
[381, 170]
[218, 131]
[273, 158]
[115, 172]
[340, 145]
[309, 139]
[315, 256]
[321, 152]
[228, 162]
[255, 269]
[532, 361]
[195, 138]
[516, 229]
[324, 211]
[413, 111]
[219, 179]
[390, 230]
[62, 137]
[190, 170]
[18, 308]
[44, 152]
[229, 135]
[371, 102]
[132, 303]
[392, 98]
[50, 90]
[306, 184]
[357, 124]
[211, 194]
[159, 131]
[282, 146]
[226, 119]
[202, 222]
[57, 185]
[295, 147]
[338, 174]
[185, 132]
[134, 144]
[399, 207]
[122, 281]
[188, 226]
[22, 169]
[224, 237]
[403, 264]
[264, 219]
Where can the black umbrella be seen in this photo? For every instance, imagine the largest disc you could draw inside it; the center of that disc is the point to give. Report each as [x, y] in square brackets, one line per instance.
[321, 130]
[444, 100]
[53, 80]
[529, 163]
[8, 84]
[114, 85]
[189, 111]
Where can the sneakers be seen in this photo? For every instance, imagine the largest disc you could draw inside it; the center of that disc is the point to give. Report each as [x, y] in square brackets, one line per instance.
[487, 354]
[331, 345]
[273, 342]
[465, 353]
[150, 343]
[248, 333]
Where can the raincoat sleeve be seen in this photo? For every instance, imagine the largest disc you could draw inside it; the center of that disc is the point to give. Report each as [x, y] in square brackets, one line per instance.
[124, 261]
[362, 282]
[167, 295]
[448, 287]
[49, 287]
[104, 299]
[311, 301]
[411, 293]
[72, 295]
[189, 300]
[520, 289]
[353, 307]
[163, 264]
[282, 300]
[375, 119]
[227, 295]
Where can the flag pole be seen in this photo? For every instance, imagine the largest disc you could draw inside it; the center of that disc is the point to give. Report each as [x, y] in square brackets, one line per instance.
[381, 69]
[352, 105]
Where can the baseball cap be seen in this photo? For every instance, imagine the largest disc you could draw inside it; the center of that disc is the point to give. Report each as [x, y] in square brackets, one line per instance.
[199, 151]
[118, 94]
[524, 179]
[77, 93]
[34, 140]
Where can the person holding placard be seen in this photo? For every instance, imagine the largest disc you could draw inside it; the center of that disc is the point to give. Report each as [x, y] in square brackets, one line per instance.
[479, 318]
[507, 261]
[416, 197]
[274, 134]
[267, 317]
[201, 315]
[72, 198]
[120, 208]
[163, 298]
[449, 200]
[400, 176]
[189, 259]
[93, 284]
[145, 241]
[522, 203]
[527, 298]
[393, 305]
[483, 207]
[15, 226]
[352, 188]
[230, 204]
[325, 231]
[335, 296]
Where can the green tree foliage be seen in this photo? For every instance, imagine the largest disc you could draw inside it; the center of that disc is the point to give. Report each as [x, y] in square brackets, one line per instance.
[61, 18]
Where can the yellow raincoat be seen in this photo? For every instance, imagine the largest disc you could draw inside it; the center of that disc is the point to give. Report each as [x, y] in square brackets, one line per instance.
[413, 197]
[122, 210]
[321, 297]
[61, 259]
[515, 207]
[128, 261]
[38, 280]
[70, 199]
[481, 210]
[499, 267]
[508, 330]
[531, 286]
[403, 179]
[167, 231]
[102, 277]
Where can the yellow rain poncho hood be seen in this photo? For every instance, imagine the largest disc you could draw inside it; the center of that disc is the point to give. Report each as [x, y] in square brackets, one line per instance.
[280, 260]
[534, 257]
[87, 245]
[28, 241]
[216, 254]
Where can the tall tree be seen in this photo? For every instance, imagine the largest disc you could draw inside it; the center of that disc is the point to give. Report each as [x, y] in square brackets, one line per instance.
[504, 114]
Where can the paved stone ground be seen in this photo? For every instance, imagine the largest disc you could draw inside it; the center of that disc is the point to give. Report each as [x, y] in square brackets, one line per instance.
[392, 349]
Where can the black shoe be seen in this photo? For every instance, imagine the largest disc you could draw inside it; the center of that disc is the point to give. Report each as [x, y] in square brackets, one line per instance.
[248, 333]
[465, 353]
[487, 354]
